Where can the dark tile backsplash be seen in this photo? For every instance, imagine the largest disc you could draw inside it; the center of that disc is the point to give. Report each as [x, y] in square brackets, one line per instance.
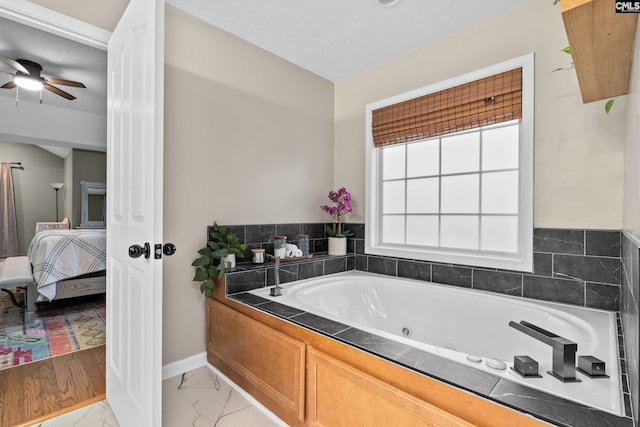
[597, 269]
[630, 316]
[560, 241]
[418, 270]
[603, 243]
[542, 264]
[602, 295]
[292, 231]
[335, 265]
[247, 280]
[383, 265]
[260, 233]
[308, 270]
[579, 267]
[452, 275]
[497, 281]
[556, 290]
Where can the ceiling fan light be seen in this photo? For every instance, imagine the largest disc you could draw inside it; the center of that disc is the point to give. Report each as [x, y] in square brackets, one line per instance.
[28, 83]
[387, 3]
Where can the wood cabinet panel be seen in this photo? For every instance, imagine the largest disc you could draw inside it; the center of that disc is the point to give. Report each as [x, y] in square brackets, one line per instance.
[340, 395]
[265, 362]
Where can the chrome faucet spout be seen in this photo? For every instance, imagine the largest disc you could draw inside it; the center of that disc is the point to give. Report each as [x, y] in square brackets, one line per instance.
[276, 291]
[564, 350]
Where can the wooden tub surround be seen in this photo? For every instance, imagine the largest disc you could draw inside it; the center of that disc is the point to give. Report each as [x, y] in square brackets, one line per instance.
[311, 376]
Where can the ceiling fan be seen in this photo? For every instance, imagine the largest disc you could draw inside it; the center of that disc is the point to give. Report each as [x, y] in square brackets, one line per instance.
[28, 76]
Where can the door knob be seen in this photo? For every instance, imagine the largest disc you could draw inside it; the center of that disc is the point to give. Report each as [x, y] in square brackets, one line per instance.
[169, 249]
[135, 251]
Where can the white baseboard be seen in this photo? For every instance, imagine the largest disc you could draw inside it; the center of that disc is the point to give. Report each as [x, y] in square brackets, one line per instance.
[247, 396]
[181, 366]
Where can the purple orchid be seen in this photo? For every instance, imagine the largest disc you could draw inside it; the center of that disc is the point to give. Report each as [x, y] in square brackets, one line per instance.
[342, 200]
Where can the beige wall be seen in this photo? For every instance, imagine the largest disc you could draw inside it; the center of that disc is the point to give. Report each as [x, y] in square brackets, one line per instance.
[578, 148]
[632, 149]
[248, 139]
[35, 198]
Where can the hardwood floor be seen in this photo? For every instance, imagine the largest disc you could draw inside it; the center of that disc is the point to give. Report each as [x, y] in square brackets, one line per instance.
[38, 390]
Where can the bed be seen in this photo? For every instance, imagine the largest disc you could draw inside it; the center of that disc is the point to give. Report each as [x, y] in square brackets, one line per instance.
[66, 263]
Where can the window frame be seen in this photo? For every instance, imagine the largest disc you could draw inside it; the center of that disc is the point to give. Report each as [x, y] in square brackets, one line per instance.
[522, 260]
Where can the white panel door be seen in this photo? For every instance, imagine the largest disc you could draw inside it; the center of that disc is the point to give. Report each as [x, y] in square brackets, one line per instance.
[134, 214]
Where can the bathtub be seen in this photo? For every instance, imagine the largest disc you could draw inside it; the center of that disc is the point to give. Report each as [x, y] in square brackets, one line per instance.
[468, 326]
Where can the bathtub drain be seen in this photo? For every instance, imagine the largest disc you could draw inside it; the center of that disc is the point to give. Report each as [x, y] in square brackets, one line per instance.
[406, 331]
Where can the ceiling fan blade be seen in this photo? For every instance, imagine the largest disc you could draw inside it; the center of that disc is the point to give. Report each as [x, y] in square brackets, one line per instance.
[60, 92]
[15, 64]
[63, 82]
[8, 85]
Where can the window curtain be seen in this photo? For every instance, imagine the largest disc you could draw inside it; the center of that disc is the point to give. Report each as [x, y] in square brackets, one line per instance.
[490, 100]
[8, 224]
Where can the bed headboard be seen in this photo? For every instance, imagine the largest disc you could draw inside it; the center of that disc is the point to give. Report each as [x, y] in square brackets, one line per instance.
[62, 225]
[94, 204]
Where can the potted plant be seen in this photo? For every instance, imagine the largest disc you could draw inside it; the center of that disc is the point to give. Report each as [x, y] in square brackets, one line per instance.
[337, 234]
[219, 255]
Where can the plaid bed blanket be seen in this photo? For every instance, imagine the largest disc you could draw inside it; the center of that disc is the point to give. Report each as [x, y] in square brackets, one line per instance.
[61, 254]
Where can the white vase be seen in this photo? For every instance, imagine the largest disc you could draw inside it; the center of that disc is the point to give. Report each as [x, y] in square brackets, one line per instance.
[229, 261]
[337, 245]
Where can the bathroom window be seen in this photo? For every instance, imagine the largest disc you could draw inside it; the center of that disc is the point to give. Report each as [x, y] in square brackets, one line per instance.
[457, 188]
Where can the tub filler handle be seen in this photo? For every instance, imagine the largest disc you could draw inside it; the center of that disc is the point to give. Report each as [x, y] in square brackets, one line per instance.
[564, 350]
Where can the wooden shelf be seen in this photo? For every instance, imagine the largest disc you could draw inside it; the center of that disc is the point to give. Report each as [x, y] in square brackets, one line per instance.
[601, 42]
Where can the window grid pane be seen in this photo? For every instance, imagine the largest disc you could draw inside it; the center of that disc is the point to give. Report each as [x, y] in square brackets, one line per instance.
[472, 206]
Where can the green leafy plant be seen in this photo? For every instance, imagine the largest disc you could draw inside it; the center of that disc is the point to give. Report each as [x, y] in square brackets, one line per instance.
[566, 50]
[209, 264]
[608, 105]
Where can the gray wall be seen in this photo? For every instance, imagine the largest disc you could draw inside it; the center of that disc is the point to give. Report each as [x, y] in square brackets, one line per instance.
[88, 166]
[35, 198]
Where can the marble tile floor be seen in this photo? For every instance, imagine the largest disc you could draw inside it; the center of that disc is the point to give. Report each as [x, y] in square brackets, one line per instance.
[198, 398]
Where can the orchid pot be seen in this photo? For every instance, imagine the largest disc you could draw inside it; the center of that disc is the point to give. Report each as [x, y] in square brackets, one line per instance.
[338, 245]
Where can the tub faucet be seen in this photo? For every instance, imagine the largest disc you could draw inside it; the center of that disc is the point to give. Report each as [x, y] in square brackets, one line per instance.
[564, 350]
[276, 291]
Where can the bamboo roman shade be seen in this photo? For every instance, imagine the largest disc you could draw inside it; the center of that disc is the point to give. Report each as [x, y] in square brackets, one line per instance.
[490, 100]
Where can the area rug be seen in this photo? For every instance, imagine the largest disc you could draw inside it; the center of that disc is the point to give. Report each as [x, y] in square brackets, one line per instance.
[56, 328]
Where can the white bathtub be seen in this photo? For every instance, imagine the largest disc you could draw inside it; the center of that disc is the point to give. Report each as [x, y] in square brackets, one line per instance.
[455, 322]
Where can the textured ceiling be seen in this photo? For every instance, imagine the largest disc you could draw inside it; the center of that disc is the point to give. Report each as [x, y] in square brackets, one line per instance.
[59, 57]
[337, 38]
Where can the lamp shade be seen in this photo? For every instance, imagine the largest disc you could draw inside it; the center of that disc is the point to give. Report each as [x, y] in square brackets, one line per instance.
[57, 185]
